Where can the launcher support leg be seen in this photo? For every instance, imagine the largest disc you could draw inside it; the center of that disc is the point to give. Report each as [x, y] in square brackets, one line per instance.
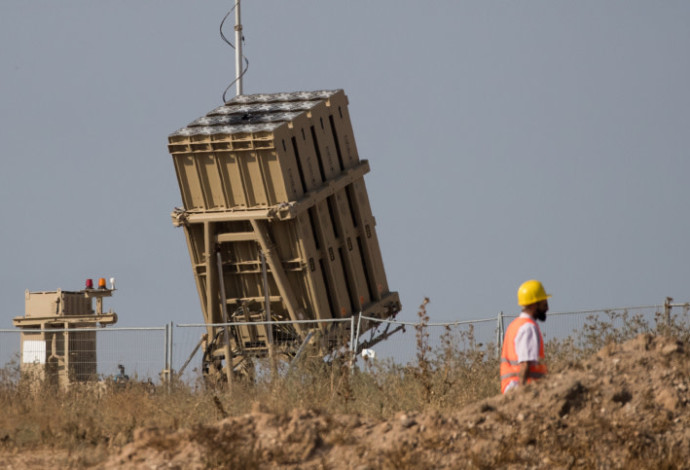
[226, 332]
[278, 272]
[267, 307]
[212, 283]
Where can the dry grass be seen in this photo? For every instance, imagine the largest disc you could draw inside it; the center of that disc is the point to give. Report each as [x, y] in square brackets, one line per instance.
[91, 419]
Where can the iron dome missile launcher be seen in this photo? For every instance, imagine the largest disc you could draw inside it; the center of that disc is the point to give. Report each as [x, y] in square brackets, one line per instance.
[278, 177]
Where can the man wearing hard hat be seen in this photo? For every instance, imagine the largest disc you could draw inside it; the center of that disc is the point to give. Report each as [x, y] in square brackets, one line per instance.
[522, 359]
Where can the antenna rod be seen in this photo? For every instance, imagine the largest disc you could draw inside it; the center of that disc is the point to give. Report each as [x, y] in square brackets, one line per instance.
[238, 48]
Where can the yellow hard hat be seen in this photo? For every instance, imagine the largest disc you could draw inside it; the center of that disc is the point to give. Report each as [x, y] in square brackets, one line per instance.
[531, 292]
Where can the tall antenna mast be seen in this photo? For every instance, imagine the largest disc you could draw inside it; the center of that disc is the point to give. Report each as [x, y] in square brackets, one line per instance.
[238, 49]
[239, 70]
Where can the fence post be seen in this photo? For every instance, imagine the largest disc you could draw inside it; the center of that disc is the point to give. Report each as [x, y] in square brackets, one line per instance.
[667, 313]
[165, 374]
[170, 365]
[499, 334]
[355, 342]
[359, 324]
[352, 334]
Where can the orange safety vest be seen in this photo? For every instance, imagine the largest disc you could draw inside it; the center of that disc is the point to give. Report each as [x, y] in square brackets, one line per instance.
[510, 367]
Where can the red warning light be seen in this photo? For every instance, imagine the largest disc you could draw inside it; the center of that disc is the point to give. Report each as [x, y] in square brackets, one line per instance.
[89, 283]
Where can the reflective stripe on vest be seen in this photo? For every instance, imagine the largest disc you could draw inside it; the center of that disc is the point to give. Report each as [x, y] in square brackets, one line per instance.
[510, 367]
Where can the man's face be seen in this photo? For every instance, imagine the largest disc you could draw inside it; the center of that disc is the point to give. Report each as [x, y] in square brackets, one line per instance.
[541, 309]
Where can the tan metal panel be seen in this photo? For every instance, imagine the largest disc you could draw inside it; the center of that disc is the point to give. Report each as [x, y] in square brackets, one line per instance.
[338, 283]
[210, 180]
[274, 180]
[231, 175]
[370, 245]
[356, 265]
[304, 155]
[340, 120]
[288, 165]
[188, 179]
[253, 180]
[195, 237]
[322, 139]
[314, 279]
[351, 272]
[41, 304]
[56, 303]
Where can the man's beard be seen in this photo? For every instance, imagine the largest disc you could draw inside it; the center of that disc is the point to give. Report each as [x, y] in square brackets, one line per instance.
[541, 315]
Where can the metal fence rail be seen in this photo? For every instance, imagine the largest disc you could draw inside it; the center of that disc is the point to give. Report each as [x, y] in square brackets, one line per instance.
[155, 353]
[487, 332]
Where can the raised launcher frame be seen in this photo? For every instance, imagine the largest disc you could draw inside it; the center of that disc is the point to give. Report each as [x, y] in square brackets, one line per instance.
[278, 175]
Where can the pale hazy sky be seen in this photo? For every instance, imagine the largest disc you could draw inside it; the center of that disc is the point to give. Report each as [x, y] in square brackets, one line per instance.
[507, 140]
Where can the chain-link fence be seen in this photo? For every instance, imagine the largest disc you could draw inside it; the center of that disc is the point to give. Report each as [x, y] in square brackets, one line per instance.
[96, 352]
[582, 326]
[157, 352]
[404, 346]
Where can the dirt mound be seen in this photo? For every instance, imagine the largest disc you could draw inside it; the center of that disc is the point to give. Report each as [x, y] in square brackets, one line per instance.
[625, 406]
